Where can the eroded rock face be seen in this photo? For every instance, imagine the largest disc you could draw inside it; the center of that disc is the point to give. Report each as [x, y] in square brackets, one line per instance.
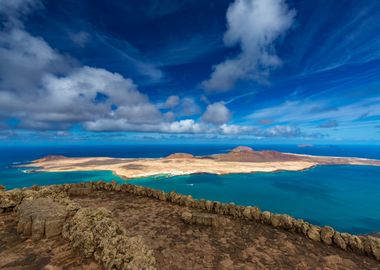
[41, 218]
[93, 232]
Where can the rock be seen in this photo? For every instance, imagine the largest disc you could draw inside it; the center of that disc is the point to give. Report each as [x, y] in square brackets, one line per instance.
[327, 234]
[209, 205]
[255, 213]
[93, 232]
[186, 217]
[265, 217]
[356, 244]
[79, 191]
[339, 241]
[2, 188]
[162, 196]
[375, 246]
[247, 212]
[314, 233]
[281, 221]
[41, 217]
[301, 226]
[203, 219]
[10, 199]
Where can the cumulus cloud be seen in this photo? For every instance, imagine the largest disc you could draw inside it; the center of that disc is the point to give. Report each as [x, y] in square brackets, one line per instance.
[216, 113]
[182, 126]
[46, 90]
[253, 25]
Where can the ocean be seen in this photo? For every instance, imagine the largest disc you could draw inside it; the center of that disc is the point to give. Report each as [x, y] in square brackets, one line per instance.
[342, 196]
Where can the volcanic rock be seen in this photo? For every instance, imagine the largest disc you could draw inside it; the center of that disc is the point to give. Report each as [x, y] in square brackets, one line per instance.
[41, 217]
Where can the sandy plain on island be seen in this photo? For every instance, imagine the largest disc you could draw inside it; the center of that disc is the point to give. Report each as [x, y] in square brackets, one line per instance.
[239, 160]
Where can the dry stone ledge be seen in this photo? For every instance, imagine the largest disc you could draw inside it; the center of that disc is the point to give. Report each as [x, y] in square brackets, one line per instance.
[93, 232]
[41, 218]
[203, 219]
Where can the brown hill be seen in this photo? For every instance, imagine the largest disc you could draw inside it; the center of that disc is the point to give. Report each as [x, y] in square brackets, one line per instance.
[179, 156]
[49, 158]
[247, 154]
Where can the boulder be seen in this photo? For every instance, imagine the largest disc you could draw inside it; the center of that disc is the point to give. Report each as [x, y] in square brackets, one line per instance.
[41, 217]
[186, 217]
[314, 233]
[339, 241]
[247, 213]
[327, 234]
[356, 244]
[265, 217]
[255, 213]
[281, 221]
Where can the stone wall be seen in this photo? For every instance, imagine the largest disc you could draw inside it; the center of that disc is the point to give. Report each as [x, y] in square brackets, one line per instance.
[48, 212]
[366, 245]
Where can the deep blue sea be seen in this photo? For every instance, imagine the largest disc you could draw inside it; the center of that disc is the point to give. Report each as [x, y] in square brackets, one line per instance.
[345, 197]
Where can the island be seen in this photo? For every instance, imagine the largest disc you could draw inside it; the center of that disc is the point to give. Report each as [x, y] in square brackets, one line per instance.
[241, 159]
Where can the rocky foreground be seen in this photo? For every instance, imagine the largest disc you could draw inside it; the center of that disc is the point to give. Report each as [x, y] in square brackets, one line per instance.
[239, 160]
[110, 226]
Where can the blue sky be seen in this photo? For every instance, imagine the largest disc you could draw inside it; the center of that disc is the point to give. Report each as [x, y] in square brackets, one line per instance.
[259, 71]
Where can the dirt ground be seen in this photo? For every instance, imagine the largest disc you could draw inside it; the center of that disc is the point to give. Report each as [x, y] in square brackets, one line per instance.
[238, 245]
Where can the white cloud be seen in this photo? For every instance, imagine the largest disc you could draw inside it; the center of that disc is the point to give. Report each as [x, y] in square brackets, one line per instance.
[184, 126]
[189, 107]
[236, 129]
[216, 113]
[46, 90]
[254, 25]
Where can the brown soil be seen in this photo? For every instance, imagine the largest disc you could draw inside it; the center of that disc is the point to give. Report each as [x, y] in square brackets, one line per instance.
[238, 245]
[19, 253]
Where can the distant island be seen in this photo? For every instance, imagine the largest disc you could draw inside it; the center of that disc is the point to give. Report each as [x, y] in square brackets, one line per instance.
[242, 159]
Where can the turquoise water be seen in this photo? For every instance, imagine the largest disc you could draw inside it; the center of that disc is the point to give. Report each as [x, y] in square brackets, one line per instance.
[344, 197]
[18, 177]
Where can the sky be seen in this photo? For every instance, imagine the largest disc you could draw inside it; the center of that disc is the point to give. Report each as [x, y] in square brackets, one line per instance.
[258, 71]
